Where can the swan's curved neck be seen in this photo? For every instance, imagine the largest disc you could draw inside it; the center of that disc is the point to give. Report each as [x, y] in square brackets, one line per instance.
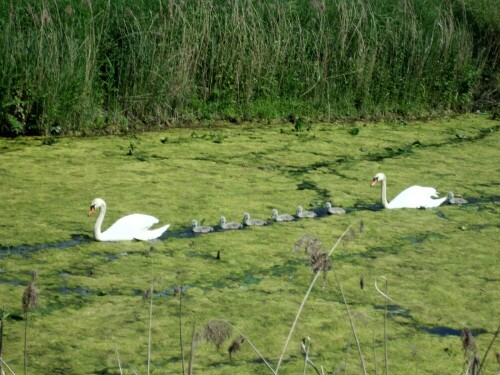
[384, 194]
[98, 223]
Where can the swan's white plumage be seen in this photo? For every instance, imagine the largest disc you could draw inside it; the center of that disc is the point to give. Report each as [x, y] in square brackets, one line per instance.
[127, 228]
[412, 197]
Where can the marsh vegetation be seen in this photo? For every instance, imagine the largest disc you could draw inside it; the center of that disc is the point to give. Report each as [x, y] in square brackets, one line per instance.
[86, 67]
[105, 306]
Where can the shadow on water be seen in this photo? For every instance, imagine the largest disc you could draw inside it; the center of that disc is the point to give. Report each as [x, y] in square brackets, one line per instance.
[25, 250]
[396, 311]
[447, 331]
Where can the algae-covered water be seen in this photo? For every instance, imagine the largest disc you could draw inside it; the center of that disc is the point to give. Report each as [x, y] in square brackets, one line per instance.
[441, 265]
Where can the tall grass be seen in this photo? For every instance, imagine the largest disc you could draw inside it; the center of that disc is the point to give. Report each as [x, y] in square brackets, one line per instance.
[100, 66]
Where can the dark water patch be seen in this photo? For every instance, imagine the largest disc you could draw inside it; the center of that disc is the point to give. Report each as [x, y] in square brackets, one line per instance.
[374, 251]
[483, 133]
[289, 268]
[363, 206]
[250, 279]
[441, 214]
[187, 233]
[180, 234]
[111, 256]
[210, 256]
[355, 258]
[26, 250]
[323, 194]
[491, 280]
[480, 227]
[80, 291]
[396, 311]
[448, 331]
[422, 237]
[12, 282]
[408, 149]
[245, 278]
[483, 199]
[173, 291]
[390, 152]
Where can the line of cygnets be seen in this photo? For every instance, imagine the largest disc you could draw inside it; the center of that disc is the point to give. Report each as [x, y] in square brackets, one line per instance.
[137, 226]
[247, 221]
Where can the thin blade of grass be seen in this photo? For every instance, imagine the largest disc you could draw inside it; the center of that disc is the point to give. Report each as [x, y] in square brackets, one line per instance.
[306, 296]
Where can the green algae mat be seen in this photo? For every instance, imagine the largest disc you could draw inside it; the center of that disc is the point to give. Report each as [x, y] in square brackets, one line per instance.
[396, 294]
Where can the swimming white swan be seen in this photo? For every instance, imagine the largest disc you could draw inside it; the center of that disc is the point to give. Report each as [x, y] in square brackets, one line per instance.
[130, 227]
[413, 197]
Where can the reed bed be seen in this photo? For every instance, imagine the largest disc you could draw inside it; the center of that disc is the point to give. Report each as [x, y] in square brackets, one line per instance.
[83, 67]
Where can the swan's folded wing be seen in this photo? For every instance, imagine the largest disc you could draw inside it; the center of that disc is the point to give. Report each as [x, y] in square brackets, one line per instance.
[150, 234]
[416, 197]
[135, 222]
[126, 227]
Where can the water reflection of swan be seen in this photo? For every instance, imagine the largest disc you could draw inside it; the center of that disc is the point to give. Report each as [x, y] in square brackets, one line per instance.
[130, 227]
[413, 197]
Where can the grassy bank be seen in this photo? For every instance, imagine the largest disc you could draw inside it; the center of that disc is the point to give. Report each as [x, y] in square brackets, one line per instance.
[114, 66]
[441, 264]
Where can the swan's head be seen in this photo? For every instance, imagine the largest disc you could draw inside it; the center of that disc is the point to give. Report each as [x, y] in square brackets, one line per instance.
[451, 196]
[246, 216]
[274, 212]
[222, 220]
[328, 205]
[96, 203]
[299, 209]
[378, 177]
[194, 224]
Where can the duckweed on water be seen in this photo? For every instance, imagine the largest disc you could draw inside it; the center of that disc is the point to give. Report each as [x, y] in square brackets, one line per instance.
[441, 264]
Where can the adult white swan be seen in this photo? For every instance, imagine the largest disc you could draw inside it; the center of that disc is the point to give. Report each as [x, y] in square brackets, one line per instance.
[413, 197]
[130, 227]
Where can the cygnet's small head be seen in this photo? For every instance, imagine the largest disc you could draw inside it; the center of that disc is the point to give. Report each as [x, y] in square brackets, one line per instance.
[299, 209]
[274, 212]
[222, 220]
[451, 195]
[328, 205]
[96, 203]
[194, 224]
[246, 216]
[378, 177]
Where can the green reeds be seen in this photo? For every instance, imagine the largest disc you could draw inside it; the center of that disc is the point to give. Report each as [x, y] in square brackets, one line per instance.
[96, 66]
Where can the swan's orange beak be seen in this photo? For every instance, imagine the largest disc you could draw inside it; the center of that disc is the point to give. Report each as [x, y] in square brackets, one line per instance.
[91, 210]
[374, 182]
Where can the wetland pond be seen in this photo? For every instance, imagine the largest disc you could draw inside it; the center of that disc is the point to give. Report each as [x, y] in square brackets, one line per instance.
[439, 266]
